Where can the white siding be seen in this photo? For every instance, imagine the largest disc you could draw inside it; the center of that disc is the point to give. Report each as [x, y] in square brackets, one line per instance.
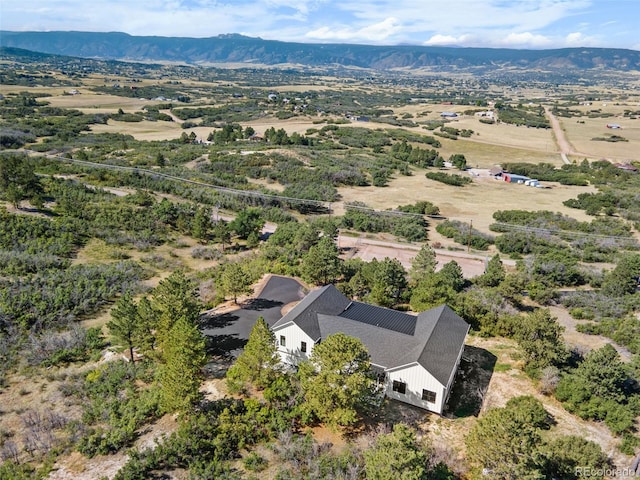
[417, 379]
[294, 336]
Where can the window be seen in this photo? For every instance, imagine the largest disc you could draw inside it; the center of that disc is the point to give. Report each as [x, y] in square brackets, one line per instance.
[303, 347]
[399, 387]
[429, 396]
[283, 341]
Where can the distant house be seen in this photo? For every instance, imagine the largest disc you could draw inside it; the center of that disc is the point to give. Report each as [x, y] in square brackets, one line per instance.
[627, 167]
[416, 357]
[485, 114]
[614, 126]
[449, 115]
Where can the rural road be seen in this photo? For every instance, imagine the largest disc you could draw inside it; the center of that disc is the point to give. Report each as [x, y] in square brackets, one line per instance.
[562, 142]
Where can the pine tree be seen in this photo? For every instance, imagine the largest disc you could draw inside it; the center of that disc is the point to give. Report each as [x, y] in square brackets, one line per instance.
[258, 361]
[494, 273]
[235, 281]
[336, 380]
[125, 322]
[321, 265]
[174, 298]
[181, 373]
[201, 224]
[423, 264]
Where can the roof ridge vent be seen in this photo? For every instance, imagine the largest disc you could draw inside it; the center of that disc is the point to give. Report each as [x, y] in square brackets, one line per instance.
[347, 307]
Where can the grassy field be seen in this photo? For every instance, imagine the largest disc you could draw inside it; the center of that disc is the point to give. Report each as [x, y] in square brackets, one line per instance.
[580, 135]
[475, 202]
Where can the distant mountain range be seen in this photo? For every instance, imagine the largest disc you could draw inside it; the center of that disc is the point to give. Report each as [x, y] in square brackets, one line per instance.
[233, 48]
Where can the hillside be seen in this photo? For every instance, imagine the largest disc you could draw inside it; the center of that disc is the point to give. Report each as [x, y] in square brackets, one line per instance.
[233, 48]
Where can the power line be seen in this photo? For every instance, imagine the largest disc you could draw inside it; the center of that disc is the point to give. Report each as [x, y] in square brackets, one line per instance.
[559, 232]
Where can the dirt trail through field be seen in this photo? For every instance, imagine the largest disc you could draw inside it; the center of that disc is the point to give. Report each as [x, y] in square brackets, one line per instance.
[564, 146]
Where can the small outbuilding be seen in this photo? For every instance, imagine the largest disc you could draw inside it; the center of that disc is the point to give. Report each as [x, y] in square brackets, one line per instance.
[513, 178]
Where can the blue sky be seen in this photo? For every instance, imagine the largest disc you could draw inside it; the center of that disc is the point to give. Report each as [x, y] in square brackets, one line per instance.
[474, 23]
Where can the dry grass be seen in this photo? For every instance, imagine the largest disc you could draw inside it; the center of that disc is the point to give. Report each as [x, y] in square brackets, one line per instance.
[475, 202]
[93, 102]
[580, 135]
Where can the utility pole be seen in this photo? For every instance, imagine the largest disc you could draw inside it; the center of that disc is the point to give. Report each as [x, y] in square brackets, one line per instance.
[469, 236]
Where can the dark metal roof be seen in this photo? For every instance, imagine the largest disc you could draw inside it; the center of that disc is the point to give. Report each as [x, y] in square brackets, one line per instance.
[381, 317]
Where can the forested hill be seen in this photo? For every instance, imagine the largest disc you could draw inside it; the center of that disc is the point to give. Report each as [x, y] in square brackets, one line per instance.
[241, 49]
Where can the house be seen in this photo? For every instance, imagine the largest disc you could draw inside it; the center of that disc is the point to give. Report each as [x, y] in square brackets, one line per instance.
[449, 115]
[416, 357]
[627, 167]
[615, 126]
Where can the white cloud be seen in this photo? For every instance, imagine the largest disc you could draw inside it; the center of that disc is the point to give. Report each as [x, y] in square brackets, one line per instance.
[377, 32]
[578, 39]
[525, 39]
[445, 40]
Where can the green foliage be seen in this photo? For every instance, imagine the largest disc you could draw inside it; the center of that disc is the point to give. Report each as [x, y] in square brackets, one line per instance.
[255, 463]
[181, 373]
[258, 361]
[321, 264]
[423, 264]
[528, 116]
[182, 346]
[623, 279]
[459, 161]
[396, 455]
[494, 273]
[360, 217]
[567, 454]
[247, 221]
[335, 380]
[174, 298]
[51, 298]
[539, 336]
[421, 207]
[597, 389]
[449, 179]
[440, 288]
[464, 234]
[504, 442]
[18, 180]
[234, 280]
[116, 404]
[125, 323]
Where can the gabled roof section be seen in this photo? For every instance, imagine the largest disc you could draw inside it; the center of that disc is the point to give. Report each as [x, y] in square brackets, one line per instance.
[443, 345]
[327, 300]
[380, 317]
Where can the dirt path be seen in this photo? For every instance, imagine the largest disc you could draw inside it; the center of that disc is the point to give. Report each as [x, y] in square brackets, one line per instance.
[367, 249]
[562, 142]
[583, 341]
[170, 113]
